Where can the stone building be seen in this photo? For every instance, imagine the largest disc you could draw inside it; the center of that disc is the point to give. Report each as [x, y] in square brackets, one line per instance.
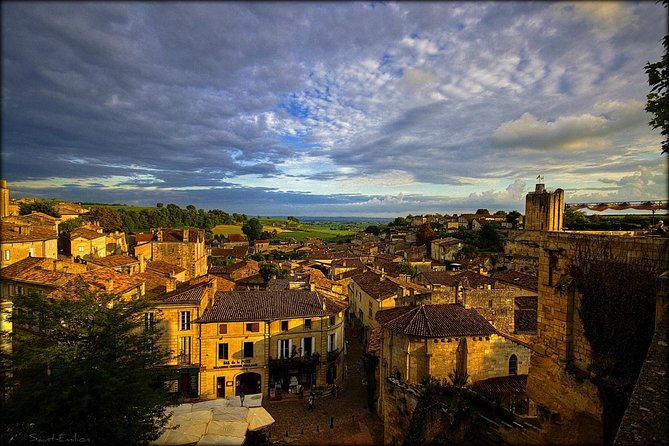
[270, 342]
[175, 313]
[368, 293]
[182, 247]
[441, 341]
[544, 211]
[85, 243]
[21, 240]
[446, 249]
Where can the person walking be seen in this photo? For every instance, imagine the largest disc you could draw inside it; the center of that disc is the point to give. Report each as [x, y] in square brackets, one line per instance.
[312, 402]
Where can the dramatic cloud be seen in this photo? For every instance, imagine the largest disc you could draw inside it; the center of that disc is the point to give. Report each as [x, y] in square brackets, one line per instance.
[329, 108]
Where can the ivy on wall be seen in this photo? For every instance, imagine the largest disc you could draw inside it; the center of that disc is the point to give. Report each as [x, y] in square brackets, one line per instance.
[617, 310]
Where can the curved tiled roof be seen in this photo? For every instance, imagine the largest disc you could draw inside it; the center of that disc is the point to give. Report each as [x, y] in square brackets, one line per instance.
[518, 279]
[268, 305]
[188, 295]
[435, 321]
[376, 285]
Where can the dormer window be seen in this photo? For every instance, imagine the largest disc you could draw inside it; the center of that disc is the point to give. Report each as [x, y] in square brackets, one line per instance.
[284, 325]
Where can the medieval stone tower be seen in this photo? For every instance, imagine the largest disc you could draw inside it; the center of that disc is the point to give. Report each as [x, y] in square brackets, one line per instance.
[544, 211]
[4, 199]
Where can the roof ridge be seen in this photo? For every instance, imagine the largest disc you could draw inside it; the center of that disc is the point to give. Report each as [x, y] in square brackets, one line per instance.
[427, 319]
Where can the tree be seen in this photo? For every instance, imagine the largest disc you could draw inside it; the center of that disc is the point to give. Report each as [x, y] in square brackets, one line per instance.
[482, 212]
[513, 217]
[575, 216]
[373, 229]
[489, 238]
[658, 102]
[92, 371]
[424, 235]
[293, 219]
[252, 229]
[159, 205]
[400, 222]
[268, 270]
[39, 205]
[407, 268]
[107, 217]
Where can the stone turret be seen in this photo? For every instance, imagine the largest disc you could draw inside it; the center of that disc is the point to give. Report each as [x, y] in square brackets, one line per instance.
[544, 211]
[4, 199]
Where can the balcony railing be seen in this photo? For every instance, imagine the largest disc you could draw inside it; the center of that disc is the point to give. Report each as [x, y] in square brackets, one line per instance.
[183, 358]
[334, 354]
[295, 361]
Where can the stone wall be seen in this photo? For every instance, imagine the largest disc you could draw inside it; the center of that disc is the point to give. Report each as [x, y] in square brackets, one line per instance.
[190, 256]
[419, 359]
[561, 340]
[497, 306]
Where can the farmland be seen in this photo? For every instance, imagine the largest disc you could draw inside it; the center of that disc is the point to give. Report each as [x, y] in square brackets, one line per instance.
[286, 230]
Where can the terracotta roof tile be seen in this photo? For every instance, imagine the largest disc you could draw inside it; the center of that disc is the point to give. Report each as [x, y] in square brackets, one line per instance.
[435, 321]
[85, 233]
[502, 388]
[374, 342]
[518, 279]
[163, 267]
[36, 233]
[114, 261]
[525, 314]
[184, 295]
[264, 305]
[375, 285]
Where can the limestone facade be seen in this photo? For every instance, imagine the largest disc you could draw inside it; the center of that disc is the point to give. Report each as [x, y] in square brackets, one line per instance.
[544, 211]
[295, 337]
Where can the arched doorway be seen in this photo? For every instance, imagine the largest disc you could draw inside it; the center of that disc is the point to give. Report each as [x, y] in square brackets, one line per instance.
[248, 383]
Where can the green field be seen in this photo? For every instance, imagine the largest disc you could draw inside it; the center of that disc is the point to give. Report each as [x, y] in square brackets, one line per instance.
[298, 231]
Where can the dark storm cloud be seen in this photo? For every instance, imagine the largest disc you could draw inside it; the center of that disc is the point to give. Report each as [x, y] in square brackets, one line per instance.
[173, 98]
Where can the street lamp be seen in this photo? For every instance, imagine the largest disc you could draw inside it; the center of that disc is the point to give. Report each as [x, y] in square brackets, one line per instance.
[241, 397]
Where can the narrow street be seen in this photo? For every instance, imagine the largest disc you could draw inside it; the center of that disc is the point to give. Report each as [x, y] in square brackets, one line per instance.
[352, 422]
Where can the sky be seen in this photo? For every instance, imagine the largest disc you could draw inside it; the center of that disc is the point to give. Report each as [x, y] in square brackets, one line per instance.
[330, 109]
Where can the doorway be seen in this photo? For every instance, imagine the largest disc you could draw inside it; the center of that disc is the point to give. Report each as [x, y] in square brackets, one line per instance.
[220, 387]
[249, 383]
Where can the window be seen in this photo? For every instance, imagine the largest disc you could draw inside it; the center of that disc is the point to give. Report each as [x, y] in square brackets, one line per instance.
[19, 290]
[332, 320]
[222, 328]
[284, 348]
[513, 365]
[185, 320]
[184, 351]
[222, 351]
[248, 349]
[307, 346]
[149, 321]
[332, 342]
[253, 326]
[489, 303]
[369, 310]
[284, 325]
[307, 324]
[7, 254]
[81, 248]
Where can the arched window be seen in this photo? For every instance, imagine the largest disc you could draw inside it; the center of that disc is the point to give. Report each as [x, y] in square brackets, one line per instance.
[513, 365]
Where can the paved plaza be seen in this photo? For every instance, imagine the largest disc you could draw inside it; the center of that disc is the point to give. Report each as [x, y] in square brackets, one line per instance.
[352, 422]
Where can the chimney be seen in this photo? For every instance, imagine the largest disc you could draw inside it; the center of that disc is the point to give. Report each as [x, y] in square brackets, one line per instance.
[57, 265]
[142, 263]
[171, 283]
[312, 287]
[185, 235]
[109, 285]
